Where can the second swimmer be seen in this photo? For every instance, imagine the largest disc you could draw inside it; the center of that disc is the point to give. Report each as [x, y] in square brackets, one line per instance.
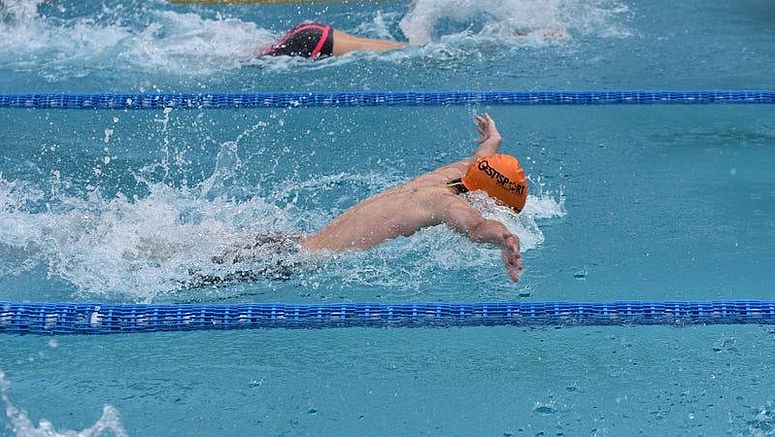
[314, 41]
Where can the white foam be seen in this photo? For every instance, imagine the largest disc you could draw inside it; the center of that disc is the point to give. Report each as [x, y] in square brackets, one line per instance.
[377, 27]
[517, 20]
[160, 242]
[20, 11]
[140, 246]
[22, 426]
[179, 43]
[185, 42]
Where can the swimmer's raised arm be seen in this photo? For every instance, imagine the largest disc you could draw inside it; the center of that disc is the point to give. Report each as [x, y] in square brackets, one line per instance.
[489, 137]
[464, 218]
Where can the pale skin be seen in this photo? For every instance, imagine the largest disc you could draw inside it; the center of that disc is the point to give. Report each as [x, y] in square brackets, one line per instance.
[422, 202]
[346, 43]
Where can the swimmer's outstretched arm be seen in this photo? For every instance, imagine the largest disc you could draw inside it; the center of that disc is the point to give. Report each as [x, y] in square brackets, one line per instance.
[463, 218]
[489, 138]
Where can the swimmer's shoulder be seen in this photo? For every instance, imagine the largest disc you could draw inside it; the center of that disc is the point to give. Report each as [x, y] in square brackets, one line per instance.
[441, 175]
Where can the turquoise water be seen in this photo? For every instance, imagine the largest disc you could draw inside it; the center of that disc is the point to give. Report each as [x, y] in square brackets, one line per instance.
[651, 202]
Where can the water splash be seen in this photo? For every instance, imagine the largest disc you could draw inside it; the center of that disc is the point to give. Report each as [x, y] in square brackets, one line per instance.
[189, 44]
[175, 235]
[406, 265]
[22, 426]
[763, 423]
[178, 43]
[18, 12]
[178, 236]
[513, 20]
[140, 246]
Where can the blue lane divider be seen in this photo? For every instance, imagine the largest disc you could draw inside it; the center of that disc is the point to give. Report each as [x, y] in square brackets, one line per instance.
[377, 98]
[96, 318]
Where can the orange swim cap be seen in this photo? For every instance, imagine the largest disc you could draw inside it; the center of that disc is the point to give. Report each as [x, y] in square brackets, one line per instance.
[501, 177]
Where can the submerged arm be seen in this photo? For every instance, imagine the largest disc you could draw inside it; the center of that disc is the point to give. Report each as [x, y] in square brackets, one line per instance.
[463, 218]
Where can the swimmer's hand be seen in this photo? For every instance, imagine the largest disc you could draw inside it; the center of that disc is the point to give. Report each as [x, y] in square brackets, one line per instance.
[511, 256]
[489, 137]
[464, 218]
[486, 127]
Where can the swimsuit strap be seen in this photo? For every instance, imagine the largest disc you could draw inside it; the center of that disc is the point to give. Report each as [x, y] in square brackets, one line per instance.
[316, 52]
[295, 31]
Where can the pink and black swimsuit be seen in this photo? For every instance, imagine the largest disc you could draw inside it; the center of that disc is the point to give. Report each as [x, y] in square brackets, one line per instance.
[310, 40]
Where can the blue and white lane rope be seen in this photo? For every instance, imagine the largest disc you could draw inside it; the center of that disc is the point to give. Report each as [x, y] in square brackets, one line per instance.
[96, 318]
[220, 100]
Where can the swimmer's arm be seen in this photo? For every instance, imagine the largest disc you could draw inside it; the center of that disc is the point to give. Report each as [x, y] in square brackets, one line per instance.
[489, 138]
[467, 220]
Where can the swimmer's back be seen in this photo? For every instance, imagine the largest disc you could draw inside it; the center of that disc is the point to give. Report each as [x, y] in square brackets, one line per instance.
[308, 40]
[398, 211]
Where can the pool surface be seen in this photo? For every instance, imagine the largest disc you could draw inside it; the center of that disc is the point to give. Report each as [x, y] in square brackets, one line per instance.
[626, 203]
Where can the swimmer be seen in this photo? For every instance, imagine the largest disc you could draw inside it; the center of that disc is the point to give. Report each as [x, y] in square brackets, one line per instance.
[434, 198]
[428, 200]
[315, 41]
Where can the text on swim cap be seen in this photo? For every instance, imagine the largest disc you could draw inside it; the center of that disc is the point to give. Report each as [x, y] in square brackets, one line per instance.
[500, 179]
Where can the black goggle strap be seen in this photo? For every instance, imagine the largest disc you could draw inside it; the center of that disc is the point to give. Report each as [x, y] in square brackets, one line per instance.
[457, 185]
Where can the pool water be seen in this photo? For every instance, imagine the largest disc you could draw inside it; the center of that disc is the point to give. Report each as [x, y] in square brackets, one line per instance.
[635, 202]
